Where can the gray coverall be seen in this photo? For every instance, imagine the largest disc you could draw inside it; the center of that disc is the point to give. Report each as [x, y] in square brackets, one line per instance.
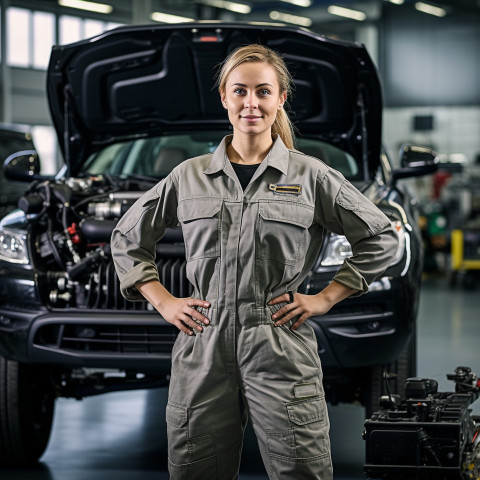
[244, 248]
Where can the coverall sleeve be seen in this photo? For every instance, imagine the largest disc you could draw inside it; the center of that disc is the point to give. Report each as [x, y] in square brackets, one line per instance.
[344, 210]
[135, 237]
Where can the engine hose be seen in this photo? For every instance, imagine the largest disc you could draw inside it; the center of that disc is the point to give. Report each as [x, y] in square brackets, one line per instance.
[88, 200]
[75, 255]
[53, 247]
[46, 203]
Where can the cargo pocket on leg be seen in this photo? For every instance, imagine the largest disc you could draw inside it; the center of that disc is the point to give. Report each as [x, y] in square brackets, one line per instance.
[311, 459]
[189, 458]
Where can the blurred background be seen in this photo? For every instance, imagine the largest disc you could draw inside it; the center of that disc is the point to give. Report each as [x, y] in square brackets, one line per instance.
[427, 55]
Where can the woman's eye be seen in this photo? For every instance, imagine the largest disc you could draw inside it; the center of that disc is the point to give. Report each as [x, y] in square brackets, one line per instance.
[264, 92]
[239, 91]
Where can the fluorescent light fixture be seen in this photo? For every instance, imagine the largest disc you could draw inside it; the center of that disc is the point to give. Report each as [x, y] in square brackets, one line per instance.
[295, 19]
[266, 24]
[430, 9]
[397, 2]
[226, 5]
[347, 12]
[299, 3]
[168, 18]
[89, 6]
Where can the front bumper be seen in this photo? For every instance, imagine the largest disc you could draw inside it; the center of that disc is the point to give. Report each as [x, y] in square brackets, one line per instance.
[369, 330]
[372, 329]
[127, 341]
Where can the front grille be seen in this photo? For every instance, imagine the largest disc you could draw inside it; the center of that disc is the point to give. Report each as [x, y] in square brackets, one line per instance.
[103, 339]
[104, 286]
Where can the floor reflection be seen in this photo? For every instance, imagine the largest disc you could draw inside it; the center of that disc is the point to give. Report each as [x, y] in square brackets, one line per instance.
[122, 436]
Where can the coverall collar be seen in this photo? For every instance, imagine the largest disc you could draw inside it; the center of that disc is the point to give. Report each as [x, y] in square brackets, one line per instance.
[278, 157]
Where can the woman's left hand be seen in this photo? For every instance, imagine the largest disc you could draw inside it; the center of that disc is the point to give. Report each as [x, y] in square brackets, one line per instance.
[306, 306]
[303, 307]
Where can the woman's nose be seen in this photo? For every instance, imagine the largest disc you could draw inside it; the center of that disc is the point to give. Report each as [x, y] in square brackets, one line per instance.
[250, 101]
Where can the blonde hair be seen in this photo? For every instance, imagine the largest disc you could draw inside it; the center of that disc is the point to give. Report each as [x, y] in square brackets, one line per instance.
[258, 53]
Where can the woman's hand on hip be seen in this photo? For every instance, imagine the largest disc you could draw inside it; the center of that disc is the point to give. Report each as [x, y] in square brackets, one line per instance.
[181, 313]
[303, 307]
[177, 311]
[306, 306]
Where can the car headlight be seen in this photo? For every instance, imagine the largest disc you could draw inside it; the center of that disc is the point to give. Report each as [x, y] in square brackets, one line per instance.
[13, 247]
[338, 248]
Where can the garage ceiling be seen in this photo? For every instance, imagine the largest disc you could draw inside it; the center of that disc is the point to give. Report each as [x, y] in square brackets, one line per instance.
[137, 11]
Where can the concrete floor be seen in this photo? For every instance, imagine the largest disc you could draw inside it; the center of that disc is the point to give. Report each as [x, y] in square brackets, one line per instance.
[121, 436]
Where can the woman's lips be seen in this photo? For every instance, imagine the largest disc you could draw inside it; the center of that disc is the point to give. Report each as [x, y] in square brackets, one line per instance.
[251, 118]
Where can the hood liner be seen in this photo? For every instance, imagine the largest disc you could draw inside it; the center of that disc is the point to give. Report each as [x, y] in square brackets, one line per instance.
[148, 80]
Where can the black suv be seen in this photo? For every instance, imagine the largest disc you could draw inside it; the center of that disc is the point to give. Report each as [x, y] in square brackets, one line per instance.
[128, 106]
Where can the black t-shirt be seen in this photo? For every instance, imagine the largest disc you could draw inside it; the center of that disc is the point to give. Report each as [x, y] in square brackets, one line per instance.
[244, 172]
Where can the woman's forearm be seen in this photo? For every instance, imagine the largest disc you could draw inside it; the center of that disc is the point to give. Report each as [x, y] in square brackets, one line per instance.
[155, 293]
[335, 292]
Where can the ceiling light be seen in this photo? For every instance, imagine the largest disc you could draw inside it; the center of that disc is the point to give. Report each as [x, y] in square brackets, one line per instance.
[226, 5]
[266, 24]
[168, 18]
[347, 12]
[295, 19]
[299, 3]
[430, 9]
[90, 6]
[396, 2]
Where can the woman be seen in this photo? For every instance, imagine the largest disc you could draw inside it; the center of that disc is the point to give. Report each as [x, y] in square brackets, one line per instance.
[253, 216]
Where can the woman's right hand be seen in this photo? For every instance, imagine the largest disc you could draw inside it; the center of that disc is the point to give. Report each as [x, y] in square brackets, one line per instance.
[177, 311]
[180, 312]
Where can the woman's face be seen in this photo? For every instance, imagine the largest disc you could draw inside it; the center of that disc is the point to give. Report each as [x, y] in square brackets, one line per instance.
[252, 97]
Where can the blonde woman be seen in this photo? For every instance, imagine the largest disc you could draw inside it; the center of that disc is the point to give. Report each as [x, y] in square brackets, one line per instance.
[253, 216]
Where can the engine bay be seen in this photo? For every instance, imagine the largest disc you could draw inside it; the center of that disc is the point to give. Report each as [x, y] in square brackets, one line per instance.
[70, 223]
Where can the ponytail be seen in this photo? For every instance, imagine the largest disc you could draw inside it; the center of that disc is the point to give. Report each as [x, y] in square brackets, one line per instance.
[282, 126]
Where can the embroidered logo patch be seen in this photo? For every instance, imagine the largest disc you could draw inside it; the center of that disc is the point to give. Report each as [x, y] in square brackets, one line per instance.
[285, 189]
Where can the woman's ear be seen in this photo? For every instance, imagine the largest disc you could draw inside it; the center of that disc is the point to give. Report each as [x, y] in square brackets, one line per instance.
[224, 100]
[283, 99]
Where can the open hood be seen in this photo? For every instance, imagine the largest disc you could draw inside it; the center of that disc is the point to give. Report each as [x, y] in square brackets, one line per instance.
[153, 79]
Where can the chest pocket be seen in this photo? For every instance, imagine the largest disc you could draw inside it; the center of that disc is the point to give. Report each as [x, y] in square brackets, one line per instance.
[200, 220]
[282, 231]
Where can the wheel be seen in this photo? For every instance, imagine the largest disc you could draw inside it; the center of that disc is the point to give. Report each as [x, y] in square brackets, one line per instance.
[404, 367]
[27, 403]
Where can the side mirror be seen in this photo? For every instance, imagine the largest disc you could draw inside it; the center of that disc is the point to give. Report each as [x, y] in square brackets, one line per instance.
[22, 166]
[415, 162]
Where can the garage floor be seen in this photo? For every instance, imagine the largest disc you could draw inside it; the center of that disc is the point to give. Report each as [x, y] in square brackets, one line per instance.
[122, 436]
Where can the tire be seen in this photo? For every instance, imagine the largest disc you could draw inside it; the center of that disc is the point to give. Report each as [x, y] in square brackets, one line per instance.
[404, 367]
[27, 403]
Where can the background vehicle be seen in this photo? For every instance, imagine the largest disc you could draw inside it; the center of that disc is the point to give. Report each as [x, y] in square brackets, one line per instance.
[127, 108]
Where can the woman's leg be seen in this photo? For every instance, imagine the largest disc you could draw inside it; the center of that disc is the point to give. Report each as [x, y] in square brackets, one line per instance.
[205, 415]
[282, 384]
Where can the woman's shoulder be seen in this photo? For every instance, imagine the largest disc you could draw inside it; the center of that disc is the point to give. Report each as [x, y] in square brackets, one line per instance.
[308, 161]
[199, 163]
[323, 174]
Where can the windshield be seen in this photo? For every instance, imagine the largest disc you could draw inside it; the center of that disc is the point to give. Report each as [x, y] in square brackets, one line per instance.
[156, 157]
